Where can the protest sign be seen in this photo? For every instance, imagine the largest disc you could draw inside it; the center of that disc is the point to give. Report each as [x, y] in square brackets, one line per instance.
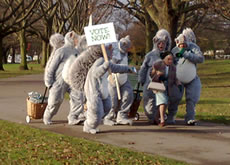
[100, 34]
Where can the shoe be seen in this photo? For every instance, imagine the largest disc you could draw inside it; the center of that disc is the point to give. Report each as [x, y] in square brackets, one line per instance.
[47, 121]
[108, 122]
[124, 122]
[162, 124]
[191, 123]
[75, 121]
[171, 122]
[91, 131]
[88, 129]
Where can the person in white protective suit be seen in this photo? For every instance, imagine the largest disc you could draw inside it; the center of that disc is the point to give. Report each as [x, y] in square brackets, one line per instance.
[187, 54]
[161, 44]
[90, 74]
[126, 90]
[81, 46]
[56, 41]
[55, 83]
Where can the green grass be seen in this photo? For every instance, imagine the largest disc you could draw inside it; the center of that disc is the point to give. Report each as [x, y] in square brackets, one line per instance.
[12, 70]
[35, 146]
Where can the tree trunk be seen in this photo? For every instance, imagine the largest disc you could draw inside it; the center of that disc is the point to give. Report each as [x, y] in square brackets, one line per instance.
[13, 56]
[173, 29]
[45, 43]
[44, 54]
[1, 54]
[5, 50]
[22, 39]
[164, 16]
[150, 30]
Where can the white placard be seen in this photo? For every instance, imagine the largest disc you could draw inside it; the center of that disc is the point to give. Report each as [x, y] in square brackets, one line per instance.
[100, 34]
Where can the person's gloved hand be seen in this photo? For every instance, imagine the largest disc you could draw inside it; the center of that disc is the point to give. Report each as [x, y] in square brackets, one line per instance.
[132, 69]
[181, 52]
[50, 87]
[106, 64]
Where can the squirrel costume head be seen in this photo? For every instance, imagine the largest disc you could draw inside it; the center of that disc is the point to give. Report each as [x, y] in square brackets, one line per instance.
[162, 36]
[181, 39]
[56, 40]
[189, 34]
[124, 44]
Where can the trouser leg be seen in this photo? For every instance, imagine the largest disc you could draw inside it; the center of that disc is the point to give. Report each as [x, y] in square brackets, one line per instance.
[126, 102]
[76, 107]
[192, 94]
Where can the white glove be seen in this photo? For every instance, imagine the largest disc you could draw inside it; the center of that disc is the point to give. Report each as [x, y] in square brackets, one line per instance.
[132, 70]
[106, 64]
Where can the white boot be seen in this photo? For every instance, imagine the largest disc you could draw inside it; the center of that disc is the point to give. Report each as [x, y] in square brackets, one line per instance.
[89, 130]
[108, 122]
[47, 119]
[74, 122]
[125, 121]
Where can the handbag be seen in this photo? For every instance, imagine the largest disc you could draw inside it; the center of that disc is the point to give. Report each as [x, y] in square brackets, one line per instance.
[157, 86]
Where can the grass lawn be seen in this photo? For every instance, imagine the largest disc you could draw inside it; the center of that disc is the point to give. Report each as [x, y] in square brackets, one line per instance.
[21, 144]
[12, 70]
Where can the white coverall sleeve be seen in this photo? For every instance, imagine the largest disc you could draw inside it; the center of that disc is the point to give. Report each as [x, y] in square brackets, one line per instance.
[119, 68]
[52, 68]
[194, 54]
[143, 70]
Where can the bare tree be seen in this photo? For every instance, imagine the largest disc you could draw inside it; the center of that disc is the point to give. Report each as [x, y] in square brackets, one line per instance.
[64, 15]
[43, 28]
[170, 15]
[11, 23]
[221, 7]
[136, 9]
[26, 12]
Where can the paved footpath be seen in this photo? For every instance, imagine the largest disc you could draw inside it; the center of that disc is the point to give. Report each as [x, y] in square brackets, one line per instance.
[206, 143]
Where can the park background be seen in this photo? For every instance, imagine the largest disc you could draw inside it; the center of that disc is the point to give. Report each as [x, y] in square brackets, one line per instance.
[25, 28]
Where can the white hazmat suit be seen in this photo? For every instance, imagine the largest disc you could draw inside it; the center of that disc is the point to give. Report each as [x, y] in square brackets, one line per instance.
[55, 83]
